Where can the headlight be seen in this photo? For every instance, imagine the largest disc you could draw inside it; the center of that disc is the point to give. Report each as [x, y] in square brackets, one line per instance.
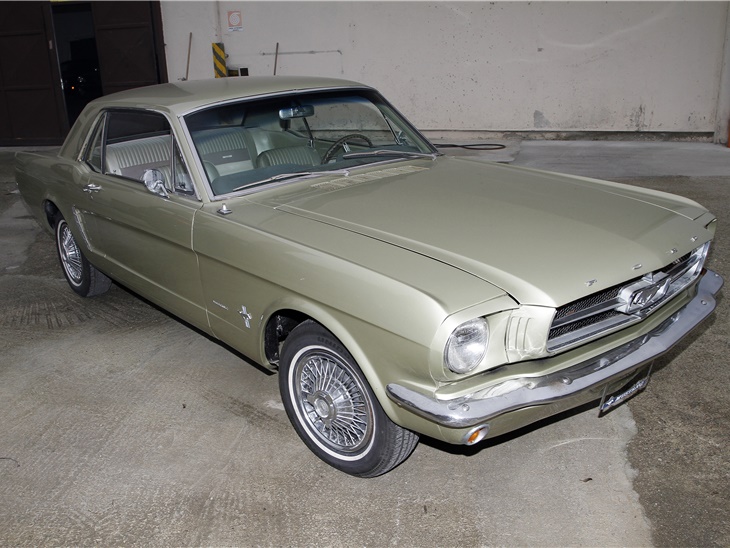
[467, 346]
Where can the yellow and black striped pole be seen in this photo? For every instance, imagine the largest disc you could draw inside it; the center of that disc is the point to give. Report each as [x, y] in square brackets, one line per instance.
[219, 60]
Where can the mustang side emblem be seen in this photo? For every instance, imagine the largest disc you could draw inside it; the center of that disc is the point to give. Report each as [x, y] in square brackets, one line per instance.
[246, 315]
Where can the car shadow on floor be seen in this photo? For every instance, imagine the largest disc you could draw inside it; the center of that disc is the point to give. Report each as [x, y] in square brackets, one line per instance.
[471, 450]
[200, 332]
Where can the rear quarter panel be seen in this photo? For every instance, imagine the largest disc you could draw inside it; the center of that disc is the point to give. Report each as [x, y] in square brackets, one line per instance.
[43, 177]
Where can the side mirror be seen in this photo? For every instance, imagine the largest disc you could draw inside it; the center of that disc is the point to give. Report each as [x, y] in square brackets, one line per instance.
[154, 180]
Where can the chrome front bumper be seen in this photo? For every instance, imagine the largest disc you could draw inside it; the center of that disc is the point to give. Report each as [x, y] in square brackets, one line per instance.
[589, 376]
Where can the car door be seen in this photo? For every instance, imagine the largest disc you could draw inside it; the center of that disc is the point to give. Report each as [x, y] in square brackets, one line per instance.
[143, 232]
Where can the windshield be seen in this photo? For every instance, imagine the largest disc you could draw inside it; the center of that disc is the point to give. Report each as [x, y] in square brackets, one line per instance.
[254, 142]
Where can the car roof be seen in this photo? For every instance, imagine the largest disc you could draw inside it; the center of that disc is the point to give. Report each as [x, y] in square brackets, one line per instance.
[182, 97]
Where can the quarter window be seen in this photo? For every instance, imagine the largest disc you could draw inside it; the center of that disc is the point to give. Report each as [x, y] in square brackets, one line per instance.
[93, 156]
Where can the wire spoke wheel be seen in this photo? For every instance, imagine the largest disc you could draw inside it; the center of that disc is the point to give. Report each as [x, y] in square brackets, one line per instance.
[332, 401]
[332, 407]
[81, 275]
[70, 254]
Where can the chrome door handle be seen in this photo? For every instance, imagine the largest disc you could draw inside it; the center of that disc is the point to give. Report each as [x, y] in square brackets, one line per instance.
[91, 187]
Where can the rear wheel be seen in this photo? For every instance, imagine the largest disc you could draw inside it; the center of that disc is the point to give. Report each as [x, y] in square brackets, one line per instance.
[81, 275]
[333, 409]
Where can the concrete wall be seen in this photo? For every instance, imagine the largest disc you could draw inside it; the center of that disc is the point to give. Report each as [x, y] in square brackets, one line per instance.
[478, 66]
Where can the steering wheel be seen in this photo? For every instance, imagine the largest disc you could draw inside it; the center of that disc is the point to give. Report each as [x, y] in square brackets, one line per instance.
[339, 142]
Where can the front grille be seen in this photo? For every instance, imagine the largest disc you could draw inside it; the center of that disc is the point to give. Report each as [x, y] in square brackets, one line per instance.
[588, 302]
[566, 329]
[614, 308]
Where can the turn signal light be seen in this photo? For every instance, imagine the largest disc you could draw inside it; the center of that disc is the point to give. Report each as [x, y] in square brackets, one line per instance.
[477, 434]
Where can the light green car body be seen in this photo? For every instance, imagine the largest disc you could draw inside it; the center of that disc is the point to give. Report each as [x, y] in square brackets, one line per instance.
[389, 258]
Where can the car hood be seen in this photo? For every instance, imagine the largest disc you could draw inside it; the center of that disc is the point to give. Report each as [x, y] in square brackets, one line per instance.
[544, 238]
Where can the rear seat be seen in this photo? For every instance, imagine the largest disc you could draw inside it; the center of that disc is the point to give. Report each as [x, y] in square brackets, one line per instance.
[132, 158]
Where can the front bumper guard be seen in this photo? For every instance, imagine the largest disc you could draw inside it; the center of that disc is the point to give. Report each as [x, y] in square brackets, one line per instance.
[518, 393]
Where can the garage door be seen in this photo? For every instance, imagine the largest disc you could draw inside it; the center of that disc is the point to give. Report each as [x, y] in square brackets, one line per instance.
[129, 43]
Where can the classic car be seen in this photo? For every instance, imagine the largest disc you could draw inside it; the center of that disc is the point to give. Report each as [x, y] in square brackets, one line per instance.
[307, 224]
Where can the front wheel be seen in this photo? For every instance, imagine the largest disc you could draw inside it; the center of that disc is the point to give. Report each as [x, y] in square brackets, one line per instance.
[81, 275]
[333, 409]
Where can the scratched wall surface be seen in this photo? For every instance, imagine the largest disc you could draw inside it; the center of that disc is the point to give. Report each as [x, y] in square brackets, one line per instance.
[616, 66]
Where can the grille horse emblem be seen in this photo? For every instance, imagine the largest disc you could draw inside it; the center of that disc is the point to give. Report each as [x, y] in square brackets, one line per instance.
[647, 291]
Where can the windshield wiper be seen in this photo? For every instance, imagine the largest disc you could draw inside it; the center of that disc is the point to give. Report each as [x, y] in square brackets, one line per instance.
[295, 175]
[386, 152]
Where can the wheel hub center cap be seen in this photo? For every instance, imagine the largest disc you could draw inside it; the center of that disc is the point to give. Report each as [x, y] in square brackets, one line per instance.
[322, 407]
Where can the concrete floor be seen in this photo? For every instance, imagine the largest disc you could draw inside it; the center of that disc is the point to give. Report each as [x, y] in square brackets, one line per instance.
[122, 425]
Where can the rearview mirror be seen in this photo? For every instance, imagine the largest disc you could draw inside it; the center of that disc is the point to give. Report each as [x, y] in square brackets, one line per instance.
[154, 180]
[299, 111]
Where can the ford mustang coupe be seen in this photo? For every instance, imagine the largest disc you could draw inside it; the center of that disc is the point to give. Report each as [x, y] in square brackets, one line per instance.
[398, 292]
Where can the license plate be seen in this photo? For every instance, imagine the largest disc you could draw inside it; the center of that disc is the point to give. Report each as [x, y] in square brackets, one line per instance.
[609, 401]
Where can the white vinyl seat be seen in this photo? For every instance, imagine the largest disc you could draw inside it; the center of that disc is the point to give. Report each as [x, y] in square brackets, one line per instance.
[131, 158]
[224, 150]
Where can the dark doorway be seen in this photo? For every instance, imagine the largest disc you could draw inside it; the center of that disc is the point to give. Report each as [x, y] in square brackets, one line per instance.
[57, 56]
[31, 104]
[77, 57]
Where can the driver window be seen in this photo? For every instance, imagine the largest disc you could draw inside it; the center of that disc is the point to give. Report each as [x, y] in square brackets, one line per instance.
[138, 141]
